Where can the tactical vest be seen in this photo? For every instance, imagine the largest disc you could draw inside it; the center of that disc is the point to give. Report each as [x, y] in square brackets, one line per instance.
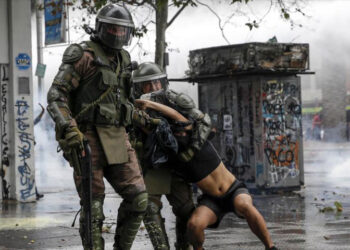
[186, 106]
[102, 99]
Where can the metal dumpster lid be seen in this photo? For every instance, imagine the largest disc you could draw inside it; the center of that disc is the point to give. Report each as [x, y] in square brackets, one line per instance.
[243, 73]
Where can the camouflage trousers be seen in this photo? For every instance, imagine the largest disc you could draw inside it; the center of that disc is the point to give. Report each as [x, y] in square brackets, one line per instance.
[180, 198]
[126, 179]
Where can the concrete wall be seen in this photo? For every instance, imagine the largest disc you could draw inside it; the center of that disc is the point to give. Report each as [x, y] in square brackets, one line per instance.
[19, 101]
[4, 56]
[4, 132]
[4, 59]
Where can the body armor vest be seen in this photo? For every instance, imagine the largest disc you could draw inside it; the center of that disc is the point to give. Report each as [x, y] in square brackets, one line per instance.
[102, 99]
[185, 105]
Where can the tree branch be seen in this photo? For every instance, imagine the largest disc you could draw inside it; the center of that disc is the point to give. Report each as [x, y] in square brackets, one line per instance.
[178, 13]
[136, 3]
[219, 19]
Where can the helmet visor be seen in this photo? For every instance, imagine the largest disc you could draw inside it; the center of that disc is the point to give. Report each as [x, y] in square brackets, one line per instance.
[115, 36]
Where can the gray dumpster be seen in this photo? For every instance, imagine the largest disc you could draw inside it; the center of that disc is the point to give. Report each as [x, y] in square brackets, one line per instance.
[252, 93]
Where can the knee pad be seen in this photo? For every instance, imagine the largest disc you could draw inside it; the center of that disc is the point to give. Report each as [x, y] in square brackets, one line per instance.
[97, 210]
[139, 203]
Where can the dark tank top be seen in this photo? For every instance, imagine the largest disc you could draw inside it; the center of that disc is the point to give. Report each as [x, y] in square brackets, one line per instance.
[202, 164]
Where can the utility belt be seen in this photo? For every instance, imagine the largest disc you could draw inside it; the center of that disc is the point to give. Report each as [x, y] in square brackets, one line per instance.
[118, 115]
[83, 127]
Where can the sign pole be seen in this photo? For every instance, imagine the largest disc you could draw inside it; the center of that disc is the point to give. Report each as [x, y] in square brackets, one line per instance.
[39, 35]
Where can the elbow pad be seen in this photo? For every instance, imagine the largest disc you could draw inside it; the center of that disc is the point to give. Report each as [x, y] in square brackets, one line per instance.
[201, 131]
[58, 110]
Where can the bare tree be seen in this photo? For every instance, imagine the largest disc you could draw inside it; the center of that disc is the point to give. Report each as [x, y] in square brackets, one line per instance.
[160, 10]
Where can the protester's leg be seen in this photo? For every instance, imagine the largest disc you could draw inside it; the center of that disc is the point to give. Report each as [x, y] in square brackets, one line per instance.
[180, 198]
[126, 179]
[154, 223]
[200, 219]
[244, 207]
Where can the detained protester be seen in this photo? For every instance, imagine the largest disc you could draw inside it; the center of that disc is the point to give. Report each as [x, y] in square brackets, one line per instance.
[160, 181]
[198, 162]
[89, 99]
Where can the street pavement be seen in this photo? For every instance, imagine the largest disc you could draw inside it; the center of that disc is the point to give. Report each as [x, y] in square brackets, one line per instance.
[306, 219]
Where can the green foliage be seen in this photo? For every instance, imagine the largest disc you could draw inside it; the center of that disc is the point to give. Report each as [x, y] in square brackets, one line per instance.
[100, 3]
[326, 209]
[240, 1]
[252, 25]
[339, 206]
[180, 3]
[140, 31]
[285, 14]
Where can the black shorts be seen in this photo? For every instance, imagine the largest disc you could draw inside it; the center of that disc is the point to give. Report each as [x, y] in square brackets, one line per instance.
[223, 204]
[203, 163]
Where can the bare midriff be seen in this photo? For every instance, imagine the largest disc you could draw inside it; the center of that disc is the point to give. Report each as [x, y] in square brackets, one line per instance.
[217, 182]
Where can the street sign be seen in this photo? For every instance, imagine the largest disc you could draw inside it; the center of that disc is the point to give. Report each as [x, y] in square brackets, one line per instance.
[54, 24]
[40, 70]
[23, 61]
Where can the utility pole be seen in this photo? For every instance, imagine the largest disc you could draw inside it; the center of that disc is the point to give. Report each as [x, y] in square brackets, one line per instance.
[39, 36]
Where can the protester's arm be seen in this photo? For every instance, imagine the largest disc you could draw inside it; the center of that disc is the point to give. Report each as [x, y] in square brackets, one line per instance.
[165, 110]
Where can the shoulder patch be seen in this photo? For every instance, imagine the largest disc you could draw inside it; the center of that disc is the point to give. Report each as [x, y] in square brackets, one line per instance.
[73, 53]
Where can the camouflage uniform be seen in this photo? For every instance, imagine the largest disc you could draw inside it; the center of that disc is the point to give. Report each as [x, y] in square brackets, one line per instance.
[87, 73]
[164, 180]
[180, 195]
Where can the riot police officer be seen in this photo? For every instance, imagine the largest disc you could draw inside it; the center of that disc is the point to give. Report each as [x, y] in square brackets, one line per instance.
[149, 79]
[89, 98]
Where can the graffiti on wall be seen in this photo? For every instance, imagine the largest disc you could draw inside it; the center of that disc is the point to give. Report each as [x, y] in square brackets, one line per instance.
[4, 132]
[26, 175]
[282, 124]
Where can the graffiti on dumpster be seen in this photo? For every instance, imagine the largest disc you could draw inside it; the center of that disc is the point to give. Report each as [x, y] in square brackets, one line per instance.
[263, 141]
[27, 182]
[245, 144]
[282, 124]
[4, 130]
[251, 119]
